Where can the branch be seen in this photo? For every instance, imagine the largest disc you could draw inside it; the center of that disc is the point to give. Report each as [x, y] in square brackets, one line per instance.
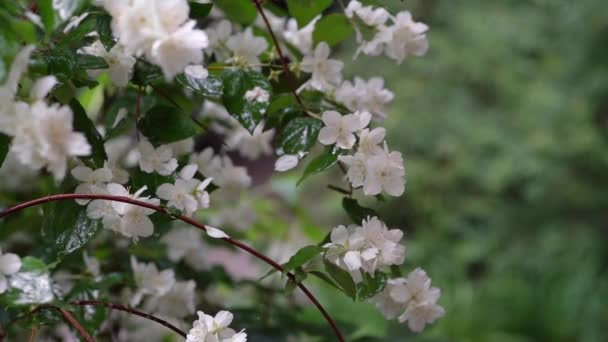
[131, 311]
[74, 323]
[290, 76]
[236, 243]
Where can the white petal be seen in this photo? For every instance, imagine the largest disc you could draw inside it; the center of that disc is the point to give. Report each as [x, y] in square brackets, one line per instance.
[328, 136]
[223, 318]
[352, 260]
[188, 171]
[286, 162]
[82, 173]
[43, 87]
[216, 233]
[9, 263]
[3, 283]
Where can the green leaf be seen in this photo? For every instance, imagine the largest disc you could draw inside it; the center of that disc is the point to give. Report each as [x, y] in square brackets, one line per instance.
[356, 212]
[325, 278]
[104, 30]
[79, 36]
[282, 108]
[303, 256]
[332, 29]
[306, 10]
[370, 286]
[212, 86]
[67, 228]
[31, 264]
[342, 278]
[5, 143]
[240, 11]
[164, 124]
[47, 15]
[89, 62]
[199, 11]
[236, 84]
[299, 135]
[83, 124]
[322, 162]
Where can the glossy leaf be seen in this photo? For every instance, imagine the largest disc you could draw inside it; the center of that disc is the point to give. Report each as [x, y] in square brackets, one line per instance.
[322, 162]
[240, 11]
[299, 135]
[303, 256]
[199, 11]
[236, 84]
[342, 278]
[212, 86]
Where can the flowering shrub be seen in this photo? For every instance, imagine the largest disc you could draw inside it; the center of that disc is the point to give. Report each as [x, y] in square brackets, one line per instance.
[103, 113]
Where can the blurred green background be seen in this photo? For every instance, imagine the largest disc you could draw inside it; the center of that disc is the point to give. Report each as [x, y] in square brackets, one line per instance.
[504, 128]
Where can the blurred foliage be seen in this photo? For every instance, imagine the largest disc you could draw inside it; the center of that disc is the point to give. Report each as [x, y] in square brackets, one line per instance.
[504, 129]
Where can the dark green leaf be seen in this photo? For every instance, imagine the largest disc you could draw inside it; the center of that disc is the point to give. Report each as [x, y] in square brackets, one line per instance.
[83, 124]
[342, 278]
[396, 271]
[145, 74]
[370, 286]
[306, 10]
[104, 30]
[211, 86]
[283, 107]
[236, 84]
[303, 256]
[5, 142]
[47, 14]
[240, 11]
[199, 11]
[164, 124]
[88, 62]
[78, 37]
[67, 228]
[299, 135]
[322, 162]
[356, 212]
[332, 29]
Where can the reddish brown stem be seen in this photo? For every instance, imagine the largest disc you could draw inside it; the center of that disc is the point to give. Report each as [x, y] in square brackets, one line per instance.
[131, 311]
[252, 251]
[290, 76]
[74, 323]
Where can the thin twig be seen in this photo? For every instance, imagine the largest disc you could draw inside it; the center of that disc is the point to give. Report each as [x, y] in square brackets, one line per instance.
[33, 334]
[236, 243]
[291, 78]
[74, 323]
[130, 310]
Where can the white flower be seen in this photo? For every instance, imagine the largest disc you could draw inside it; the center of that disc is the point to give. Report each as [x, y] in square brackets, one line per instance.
[230, 177]
[196, 71]
[326, 73]
[174, 52]
[365, 95]
[357, 168]
[369, 15]
[120, 63]
[286, 162]
[91, 180]
[349, 249]
[150, 281]
[127, 219]
[214, 329]
[160, 159]
[369, 141]
[183, 243]
[9, 264]
[208, 164]
[391, 252]
[385, 172]
[246, 47]
[177, 302]
[257, 94]
[218, 36]
[388, 307]
[300, 38]
[44, 137]
[406, 37]
[187, 194]
[249, 145]
[339, 129]
[182, 147]
[419, 298]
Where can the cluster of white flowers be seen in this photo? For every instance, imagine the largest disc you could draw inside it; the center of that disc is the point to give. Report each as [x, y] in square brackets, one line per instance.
[159, 29]
[120, 63]
[326, 73]
[214, 329]
[398, 40]
[364, 95]
[411, 299]
[188, 193]
[369, 247]
[43, 135]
